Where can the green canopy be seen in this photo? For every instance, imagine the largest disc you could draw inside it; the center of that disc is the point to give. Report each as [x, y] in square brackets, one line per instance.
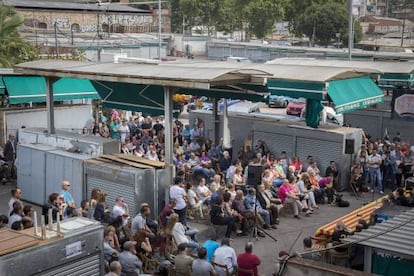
[148, 99]
[24, 89]
[354, 93]
[313, 110]
[2, 87]
[297, 89]
[391, 81]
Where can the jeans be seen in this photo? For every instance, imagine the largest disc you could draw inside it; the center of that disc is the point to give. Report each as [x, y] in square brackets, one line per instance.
[181, 215]
[192, 234]
[375, 174]
[229, 221]
[266, 216]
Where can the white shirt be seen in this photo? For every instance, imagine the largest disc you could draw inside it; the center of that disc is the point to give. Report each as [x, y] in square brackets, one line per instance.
[375, 159]
[201, 190]
[178, 193]
[179, 233]
[191, 197]
[11, 201]
[225, 255]
[124, 130]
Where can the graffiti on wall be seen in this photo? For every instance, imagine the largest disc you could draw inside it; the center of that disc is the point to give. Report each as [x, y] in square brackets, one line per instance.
[89, 28]
[62, 23]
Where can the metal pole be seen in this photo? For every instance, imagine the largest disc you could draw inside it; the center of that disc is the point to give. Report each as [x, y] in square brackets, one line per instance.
[350, 30]
[216, 122]
[159, 30]
[169, 163]
[56, 42]
[49, 105]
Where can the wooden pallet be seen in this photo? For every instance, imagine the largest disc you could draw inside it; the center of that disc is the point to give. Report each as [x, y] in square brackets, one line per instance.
[113, 158]
[154, 164]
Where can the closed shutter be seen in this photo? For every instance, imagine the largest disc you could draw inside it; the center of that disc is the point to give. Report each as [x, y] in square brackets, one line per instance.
[275, 142]
[114, 189]
[322, 151]
[88, 266]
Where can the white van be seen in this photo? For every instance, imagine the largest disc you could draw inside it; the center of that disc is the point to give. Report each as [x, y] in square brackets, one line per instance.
[328, 116]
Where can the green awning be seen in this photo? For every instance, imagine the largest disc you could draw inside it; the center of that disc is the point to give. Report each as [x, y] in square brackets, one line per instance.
[297, 89]
[148, 99]
[354, 93]
[2, 87]
[24, 89]
[389, 81]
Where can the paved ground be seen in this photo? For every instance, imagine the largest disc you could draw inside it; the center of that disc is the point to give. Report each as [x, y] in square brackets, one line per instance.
[289, 234]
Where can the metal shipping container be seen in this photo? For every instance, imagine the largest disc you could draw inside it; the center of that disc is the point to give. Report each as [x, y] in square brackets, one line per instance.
[31, 172]
[62, 165]
[79, 252]
[134, 185]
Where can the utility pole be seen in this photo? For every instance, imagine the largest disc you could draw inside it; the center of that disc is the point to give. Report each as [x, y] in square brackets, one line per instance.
[159, 30]
[56, 41]
[350, 30]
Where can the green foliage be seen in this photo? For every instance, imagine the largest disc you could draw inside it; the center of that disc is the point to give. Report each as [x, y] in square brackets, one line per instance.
[258, 16]
[13, 48]
[262, 15]
[323, 21]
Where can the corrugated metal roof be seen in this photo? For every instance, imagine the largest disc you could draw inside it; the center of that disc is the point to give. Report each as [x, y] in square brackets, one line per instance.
[383, 66]
[393, 235]
[185, 75]
[58, 5]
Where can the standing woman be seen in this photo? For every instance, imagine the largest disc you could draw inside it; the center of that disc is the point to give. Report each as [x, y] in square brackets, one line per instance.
[95, 193]
[101, 209]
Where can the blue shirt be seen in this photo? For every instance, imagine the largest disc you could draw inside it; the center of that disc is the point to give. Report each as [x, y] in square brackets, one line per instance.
[211, 247]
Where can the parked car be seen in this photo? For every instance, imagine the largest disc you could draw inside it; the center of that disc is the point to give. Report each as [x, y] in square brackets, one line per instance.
[278, 101]
[295, 107]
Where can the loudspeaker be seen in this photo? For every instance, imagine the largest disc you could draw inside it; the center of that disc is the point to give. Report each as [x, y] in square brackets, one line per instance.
[349, 146]
[254, 175]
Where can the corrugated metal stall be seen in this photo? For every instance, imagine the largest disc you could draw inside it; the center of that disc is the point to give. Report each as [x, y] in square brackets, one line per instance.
[78, 252]
[135, 185]
[62, 165]
[31, 172]
[325, 143]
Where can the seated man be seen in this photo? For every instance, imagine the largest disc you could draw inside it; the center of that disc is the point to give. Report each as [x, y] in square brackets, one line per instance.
[167, 211]
[248, 260]
[139, 223]
[225, 255]
[267, 202]
[182, 261]
[130, 263]
[203, 193]
[251, 203]
[248, 215]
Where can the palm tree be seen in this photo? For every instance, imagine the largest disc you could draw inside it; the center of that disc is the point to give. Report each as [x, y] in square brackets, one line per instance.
[13, 48]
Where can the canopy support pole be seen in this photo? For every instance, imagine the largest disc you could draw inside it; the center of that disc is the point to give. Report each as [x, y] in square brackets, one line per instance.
[216, 122]
[49, 105]
[169, 164]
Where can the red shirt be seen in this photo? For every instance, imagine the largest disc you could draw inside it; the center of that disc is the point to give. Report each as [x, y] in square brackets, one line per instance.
[248, 261]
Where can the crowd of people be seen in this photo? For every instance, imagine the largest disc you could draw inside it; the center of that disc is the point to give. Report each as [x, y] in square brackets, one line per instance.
[212, 182]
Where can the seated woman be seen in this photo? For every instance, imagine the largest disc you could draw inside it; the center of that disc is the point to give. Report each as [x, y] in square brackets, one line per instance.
[143, 245]
[179, 233]
[326, 183]
[238, 218]
[305, 188]
[317, 190]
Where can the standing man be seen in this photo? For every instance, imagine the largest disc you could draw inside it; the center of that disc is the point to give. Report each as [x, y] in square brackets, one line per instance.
[374, 163]
[121, 209]
[70, 203]
[178, 193]
[16, 193]
[9, 153]
[248, 260]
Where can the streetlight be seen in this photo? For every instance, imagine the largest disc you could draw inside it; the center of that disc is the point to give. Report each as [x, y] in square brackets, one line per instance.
[338, 35]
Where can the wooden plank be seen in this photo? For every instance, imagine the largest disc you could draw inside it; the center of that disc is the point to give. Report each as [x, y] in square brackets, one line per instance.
[141, 160]
[125, 162]
[11, 241]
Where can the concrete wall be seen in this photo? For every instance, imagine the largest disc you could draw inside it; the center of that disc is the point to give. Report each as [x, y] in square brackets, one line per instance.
[197, 44]
[69, 118]
[376, 121]
[325, 143]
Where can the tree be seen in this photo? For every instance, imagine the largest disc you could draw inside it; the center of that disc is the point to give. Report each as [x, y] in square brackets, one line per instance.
[13, 48]
[323, 21]
[262, 15]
